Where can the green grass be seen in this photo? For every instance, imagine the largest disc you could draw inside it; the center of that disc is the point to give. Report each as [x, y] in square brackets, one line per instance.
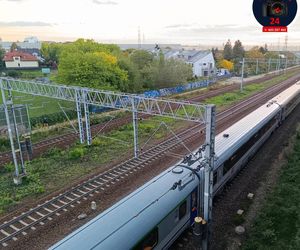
[57, 167]
[278, 224]
[230, 98]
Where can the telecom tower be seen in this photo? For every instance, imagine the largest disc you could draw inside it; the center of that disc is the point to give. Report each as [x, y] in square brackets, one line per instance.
[139, 38]
[286, 42]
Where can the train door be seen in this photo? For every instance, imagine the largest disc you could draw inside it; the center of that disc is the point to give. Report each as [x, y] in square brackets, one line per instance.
[194, 205]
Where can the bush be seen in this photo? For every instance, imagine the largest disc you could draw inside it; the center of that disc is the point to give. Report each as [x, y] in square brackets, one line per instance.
[9, 168]
[14, 73]
[51, 119]
[77, 153]
[96, 142]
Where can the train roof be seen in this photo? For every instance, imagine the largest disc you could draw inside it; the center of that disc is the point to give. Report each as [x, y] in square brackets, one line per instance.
[232, 138]
[236, 135]
[288, 94]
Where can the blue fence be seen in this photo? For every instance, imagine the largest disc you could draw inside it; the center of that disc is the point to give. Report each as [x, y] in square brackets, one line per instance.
[182, 88]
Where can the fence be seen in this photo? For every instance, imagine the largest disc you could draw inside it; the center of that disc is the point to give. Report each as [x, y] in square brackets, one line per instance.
[183, 88]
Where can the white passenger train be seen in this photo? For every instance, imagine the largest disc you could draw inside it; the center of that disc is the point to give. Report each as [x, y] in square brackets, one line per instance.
[155, 215]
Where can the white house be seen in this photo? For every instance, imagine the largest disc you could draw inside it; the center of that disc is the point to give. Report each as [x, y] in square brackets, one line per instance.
[20, 60]
[203, 62]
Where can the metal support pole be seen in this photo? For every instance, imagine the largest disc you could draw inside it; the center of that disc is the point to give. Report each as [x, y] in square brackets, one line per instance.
[269, 65]
[286, 64]
[278, 66]
[135, 129]
[87, 118]
[243, 68]
[17, 179]
[209, 166]
[256, 72]
[79, 116]
[23, 171]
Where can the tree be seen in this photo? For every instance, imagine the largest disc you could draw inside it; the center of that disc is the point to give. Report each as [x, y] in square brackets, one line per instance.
[254, 53]
[51, 52]
[14, 47]
[141, 58]
[238, 51]
[264, 49]
[172, 73]
[225, 64]
[2, 54]
[89, 64]
[227, 52]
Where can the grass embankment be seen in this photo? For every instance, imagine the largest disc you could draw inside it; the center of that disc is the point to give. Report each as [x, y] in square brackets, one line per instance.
[237, 95]
[278, 224]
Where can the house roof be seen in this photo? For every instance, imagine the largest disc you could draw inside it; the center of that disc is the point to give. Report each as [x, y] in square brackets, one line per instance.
[23, 56]
[190, 56]
[297, 54]
[199, 55]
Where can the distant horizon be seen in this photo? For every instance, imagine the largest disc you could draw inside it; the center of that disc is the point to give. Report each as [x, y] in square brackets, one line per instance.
[276, 46]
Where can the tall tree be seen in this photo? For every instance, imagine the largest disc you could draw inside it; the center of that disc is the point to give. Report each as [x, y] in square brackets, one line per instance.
[2, 54]
[238, 51]
[141, 58]
[227, 53]
[14, 47]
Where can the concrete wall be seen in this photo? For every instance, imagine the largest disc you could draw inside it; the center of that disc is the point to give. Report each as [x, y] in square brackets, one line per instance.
[21, 64]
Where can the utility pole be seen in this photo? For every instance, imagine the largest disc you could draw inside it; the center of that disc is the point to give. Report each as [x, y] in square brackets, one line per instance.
[135, 129]
[242, 77]
[256, 72]
[209, 166]
[17, 176]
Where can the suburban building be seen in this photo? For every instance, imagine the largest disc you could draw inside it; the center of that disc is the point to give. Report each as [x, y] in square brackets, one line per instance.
[203, 62]
[29, 43]
[20, 60]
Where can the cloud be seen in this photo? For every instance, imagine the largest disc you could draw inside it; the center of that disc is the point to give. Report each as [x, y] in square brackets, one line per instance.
[176, 26]
[24, 24]
[14, 0]
[197, 29]
[108, 2]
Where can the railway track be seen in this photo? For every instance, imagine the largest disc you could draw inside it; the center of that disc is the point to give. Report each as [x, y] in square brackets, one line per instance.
[39, 215]
[66, 140]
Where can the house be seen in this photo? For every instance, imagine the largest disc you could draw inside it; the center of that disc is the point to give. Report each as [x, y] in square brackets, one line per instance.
[202, 62]
[20, 60]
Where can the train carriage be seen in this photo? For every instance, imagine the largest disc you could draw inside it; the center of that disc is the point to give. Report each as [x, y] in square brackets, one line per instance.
[154, 215]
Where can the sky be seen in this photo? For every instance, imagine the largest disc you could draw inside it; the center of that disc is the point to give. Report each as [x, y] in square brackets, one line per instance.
[188, 22]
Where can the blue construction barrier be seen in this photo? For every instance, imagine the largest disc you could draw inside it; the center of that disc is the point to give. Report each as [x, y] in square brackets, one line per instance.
[182, 88]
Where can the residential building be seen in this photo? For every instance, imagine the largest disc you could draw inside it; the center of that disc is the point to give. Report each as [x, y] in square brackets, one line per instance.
[20, 60]
[203, 62]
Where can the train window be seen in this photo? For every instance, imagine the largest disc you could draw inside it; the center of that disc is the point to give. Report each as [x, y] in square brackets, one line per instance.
[149, 242]
[243, 149]
[215, 177]
[182, 210]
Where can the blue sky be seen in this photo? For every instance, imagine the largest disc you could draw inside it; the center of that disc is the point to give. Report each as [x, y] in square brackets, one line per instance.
[161, 21]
